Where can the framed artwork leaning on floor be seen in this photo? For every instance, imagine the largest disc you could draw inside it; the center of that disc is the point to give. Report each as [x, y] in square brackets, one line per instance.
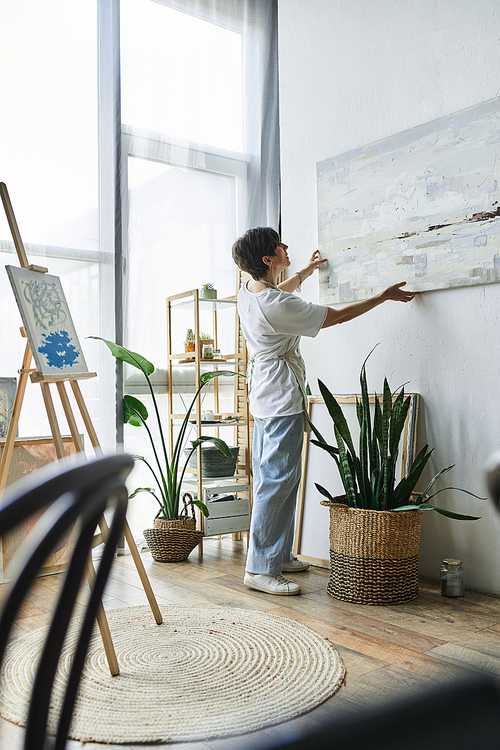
[29, 455]
[7, 395]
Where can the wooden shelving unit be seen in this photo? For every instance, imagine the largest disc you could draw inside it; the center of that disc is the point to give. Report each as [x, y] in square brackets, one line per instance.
[236, 433]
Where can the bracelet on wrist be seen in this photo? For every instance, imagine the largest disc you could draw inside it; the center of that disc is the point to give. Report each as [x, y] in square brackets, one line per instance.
[299, 288]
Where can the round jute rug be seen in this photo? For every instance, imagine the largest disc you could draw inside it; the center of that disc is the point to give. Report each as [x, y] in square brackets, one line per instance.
[205, 672]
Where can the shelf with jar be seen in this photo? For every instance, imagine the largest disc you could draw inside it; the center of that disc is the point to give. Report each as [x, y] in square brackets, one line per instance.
[203, 329]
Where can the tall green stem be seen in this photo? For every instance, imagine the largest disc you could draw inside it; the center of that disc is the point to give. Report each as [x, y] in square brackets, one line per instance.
[158, 420]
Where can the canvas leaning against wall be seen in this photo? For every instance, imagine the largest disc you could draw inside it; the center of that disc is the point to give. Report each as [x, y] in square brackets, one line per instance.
[421, 206]
[30, 454]
[47, 321]
[312, 540]
[8, 388]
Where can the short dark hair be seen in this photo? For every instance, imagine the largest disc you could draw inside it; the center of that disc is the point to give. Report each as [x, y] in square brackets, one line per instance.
[254, 245]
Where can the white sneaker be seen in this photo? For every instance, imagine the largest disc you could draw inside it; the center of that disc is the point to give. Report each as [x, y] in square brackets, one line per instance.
[295, 566]
[271, 584]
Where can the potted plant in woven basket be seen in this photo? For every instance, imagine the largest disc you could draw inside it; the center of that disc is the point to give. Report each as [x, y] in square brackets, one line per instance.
[375, 526]
[174, 533]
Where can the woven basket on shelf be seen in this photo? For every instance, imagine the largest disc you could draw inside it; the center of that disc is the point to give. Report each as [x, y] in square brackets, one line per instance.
[172, 541]
[373, 554]
[213, 462]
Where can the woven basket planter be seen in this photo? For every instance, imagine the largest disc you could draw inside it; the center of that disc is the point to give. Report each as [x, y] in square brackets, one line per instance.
[373, 554]
[172, 541]
[213, 462]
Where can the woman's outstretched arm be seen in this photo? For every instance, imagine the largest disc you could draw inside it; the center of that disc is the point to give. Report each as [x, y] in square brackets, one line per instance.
[394, 292]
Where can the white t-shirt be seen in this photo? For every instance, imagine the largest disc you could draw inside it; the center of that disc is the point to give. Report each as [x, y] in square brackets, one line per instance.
[272, 322]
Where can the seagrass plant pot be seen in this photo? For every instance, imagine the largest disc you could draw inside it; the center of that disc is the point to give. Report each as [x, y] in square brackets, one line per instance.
[373, 554]
[173, 541]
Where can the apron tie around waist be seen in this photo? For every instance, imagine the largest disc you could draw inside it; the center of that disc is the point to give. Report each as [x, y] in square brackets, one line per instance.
[296, 365]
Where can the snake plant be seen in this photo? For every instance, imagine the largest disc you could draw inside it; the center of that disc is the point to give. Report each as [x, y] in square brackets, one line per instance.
[167, 473]
[369, 476]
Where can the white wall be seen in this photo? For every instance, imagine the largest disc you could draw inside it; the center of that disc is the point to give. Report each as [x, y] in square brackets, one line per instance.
[352, 72]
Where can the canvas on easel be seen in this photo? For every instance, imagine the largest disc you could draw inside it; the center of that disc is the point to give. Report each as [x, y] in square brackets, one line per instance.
[53, 342]
[47, 322]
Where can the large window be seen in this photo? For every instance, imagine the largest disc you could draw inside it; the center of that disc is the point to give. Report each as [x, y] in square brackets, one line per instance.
[186, 165]
[138, 138]
[48, 160]
[181, 75]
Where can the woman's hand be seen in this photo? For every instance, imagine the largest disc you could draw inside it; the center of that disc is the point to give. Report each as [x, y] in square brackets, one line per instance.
[397, 294]
[293, 283]
[314, 262]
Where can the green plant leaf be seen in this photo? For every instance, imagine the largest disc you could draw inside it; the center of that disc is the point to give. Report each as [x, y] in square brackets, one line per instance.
[440, 473]
[399, 413]
[180, 438]
[373, 486]
[128, 356]
[359, 411]
[451, 514]
[220, 444]
[206, 376]
[363, 366]
[134, 411]
[346, 473]
[377, 424]
[407, 485]
[331, 449]
[457, 489]
[379, 490]
[386, 418]
[366, 416]
[202, 507]
[364, 454]
[324, 492]
[411, 506]
[315, 430]
[337, 416]
[442, 511]
[142, 489]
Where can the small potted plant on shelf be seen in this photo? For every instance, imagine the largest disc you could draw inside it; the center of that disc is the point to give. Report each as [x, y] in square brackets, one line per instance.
[174, 534]
[206, 346]
[375, 526]
[208, 291]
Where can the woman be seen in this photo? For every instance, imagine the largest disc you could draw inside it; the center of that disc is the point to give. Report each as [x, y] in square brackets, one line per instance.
[272, 320]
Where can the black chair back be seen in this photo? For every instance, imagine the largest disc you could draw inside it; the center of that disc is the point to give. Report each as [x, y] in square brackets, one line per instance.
[75, 496]
[460, 715]
[493, 478]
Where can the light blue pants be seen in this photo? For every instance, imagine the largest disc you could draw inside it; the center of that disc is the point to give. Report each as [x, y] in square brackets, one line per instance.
[277, 452]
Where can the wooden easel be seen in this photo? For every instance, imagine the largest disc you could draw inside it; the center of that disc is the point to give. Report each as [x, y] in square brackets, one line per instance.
[60, 382]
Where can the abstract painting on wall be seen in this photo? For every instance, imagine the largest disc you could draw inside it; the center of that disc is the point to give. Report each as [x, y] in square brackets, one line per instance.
[421, 206]
[47, 320]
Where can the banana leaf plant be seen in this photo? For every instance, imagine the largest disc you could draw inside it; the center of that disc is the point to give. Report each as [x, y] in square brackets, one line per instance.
[166, 469]
[369, 476]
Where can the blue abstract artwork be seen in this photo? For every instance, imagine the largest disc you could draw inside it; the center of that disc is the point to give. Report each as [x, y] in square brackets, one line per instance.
[47, 321]
[421, 206]
[59, 350]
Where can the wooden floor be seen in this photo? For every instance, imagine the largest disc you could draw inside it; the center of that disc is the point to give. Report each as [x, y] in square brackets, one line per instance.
[388, 652]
